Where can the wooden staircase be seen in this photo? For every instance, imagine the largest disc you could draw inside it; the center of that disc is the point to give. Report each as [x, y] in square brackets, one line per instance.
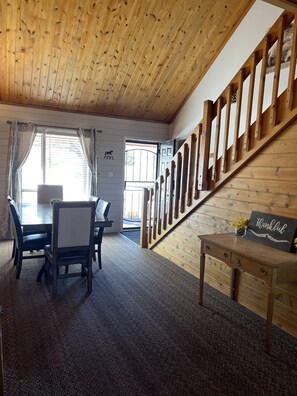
[255, 107]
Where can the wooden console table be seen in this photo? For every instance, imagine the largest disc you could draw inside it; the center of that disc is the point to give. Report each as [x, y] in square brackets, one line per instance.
[271, 265]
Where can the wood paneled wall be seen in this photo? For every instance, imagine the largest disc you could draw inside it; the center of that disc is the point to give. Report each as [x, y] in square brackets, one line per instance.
[267, 184]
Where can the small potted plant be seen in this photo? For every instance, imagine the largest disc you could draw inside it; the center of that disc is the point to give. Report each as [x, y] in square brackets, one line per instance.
[240, 226]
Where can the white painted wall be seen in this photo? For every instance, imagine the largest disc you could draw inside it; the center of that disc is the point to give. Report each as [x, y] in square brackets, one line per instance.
[114, 133]
[245, 39]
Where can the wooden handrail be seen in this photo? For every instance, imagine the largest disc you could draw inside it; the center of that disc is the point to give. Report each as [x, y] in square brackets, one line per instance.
[218, 146]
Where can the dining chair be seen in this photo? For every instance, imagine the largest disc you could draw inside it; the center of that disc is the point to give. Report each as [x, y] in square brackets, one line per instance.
[47, 192]
[102, 209]
[72, 242]
[9, 199]
[94, 199]
[28, 231]
[25, 243]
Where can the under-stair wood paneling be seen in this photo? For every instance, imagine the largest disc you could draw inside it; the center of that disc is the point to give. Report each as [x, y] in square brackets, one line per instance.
[267, 184]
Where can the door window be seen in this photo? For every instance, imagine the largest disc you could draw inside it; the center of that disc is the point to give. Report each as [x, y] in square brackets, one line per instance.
[140, 172]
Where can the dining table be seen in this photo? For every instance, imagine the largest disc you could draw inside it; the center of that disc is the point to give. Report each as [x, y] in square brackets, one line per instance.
[39, 217]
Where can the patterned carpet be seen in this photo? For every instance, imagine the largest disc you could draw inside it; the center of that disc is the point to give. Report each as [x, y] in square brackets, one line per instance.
[140, 333]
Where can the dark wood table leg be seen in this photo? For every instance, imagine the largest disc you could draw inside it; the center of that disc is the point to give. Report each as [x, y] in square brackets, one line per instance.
[270, 306]
[235, 278]
[202, 270]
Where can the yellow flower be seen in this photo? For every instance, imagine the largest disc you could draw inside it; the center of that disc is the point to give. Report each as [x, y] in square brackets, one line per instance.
[240, 223]
[295, 243]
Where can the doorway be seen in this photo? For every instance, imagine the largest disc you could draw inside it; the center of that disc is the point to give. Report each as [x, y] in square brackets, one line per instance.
[140, 171]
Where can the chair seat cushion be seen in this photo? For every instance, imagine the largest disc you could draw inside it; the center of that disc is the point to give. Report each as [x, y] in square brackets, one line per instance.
[36, 241]
[67, 256]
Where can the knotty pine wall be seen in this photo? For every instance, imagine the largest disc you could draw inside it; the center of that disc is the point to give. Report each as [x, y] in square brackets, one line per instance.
[267, 184]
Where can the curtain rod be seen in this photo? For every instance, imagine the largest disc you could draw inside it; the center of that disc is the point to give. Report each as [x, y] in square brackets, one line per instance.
[55, 126]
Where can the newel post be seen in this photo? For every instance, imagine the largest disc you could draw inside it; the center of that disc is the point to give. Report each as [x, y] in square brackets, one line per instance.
[144, 219]
[205, 145]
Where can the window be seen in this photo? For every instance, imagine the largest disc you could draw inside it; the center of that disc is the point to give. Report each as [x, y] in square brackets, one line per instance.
[56, 158]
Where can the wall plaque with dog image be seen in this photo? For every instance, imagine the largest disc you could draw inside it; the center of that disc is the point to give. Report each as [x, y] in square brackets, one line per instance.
[274, 231]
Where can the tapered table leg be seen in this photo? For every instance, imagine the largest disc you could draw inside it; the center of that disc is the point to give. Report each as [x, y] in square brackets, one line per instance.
[202, 270]
[235, 278]
[270, 306]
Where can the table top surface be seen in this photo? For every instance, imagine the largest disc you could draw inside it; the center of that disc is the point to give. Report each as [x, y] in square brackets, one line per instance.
[41, 214]
[251, 249]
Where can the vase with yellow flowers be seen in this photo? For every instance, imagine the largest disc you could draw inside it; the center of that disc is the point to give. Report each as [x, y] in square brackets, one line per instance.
[240, 226]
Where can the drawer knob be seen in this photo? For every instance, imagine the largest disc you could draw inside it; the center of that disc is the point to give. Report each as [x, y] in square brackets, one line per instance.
[263, 272]
[237, 261]
[207, 247]
[225, 254]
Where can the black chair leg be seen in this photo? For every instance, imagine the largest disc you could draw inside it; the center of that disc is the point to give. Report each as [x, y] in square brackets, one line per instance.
[99, 256]
[13, 249]
[88, 270]
[54, 281]
[40, 273]
[19, 263]
[16, 254]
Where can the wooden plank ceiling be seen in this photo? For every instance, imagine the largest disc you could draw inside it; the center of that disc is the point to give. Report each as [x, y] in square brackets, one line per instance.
[138, 59]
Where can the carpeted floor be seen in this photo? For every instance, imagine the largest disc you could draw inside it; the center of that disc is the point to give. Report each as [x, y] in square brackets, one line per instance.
[140, 333]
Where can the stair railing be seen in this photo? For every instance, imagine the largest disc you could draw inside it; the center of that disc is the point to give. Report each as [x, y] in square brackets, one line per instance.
[255, 103]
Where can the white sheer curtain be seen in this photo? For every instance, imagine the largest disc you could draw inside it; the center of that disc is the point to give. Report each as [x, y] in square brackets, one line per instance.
[21, 138]
[88, 139]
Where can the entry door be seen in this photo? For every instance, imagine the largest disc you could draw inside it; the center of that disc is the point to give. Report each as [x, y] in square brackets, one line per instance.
[166, 153]
[140, 172]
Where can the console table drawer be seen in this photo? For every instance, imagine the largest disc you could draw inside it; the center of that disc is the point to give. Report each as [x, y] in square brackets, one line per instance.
[244, 264]
[216, 251]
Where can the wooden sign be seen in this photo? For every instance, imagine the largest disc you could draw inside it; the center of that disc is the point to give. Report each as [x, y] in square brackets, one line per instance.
[275, 231]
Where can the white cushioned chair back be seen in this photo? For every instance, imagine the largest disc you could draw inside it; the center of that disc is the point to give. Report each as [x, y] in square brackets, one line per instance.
[103, 207]
[74, 227]
[47, 192]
